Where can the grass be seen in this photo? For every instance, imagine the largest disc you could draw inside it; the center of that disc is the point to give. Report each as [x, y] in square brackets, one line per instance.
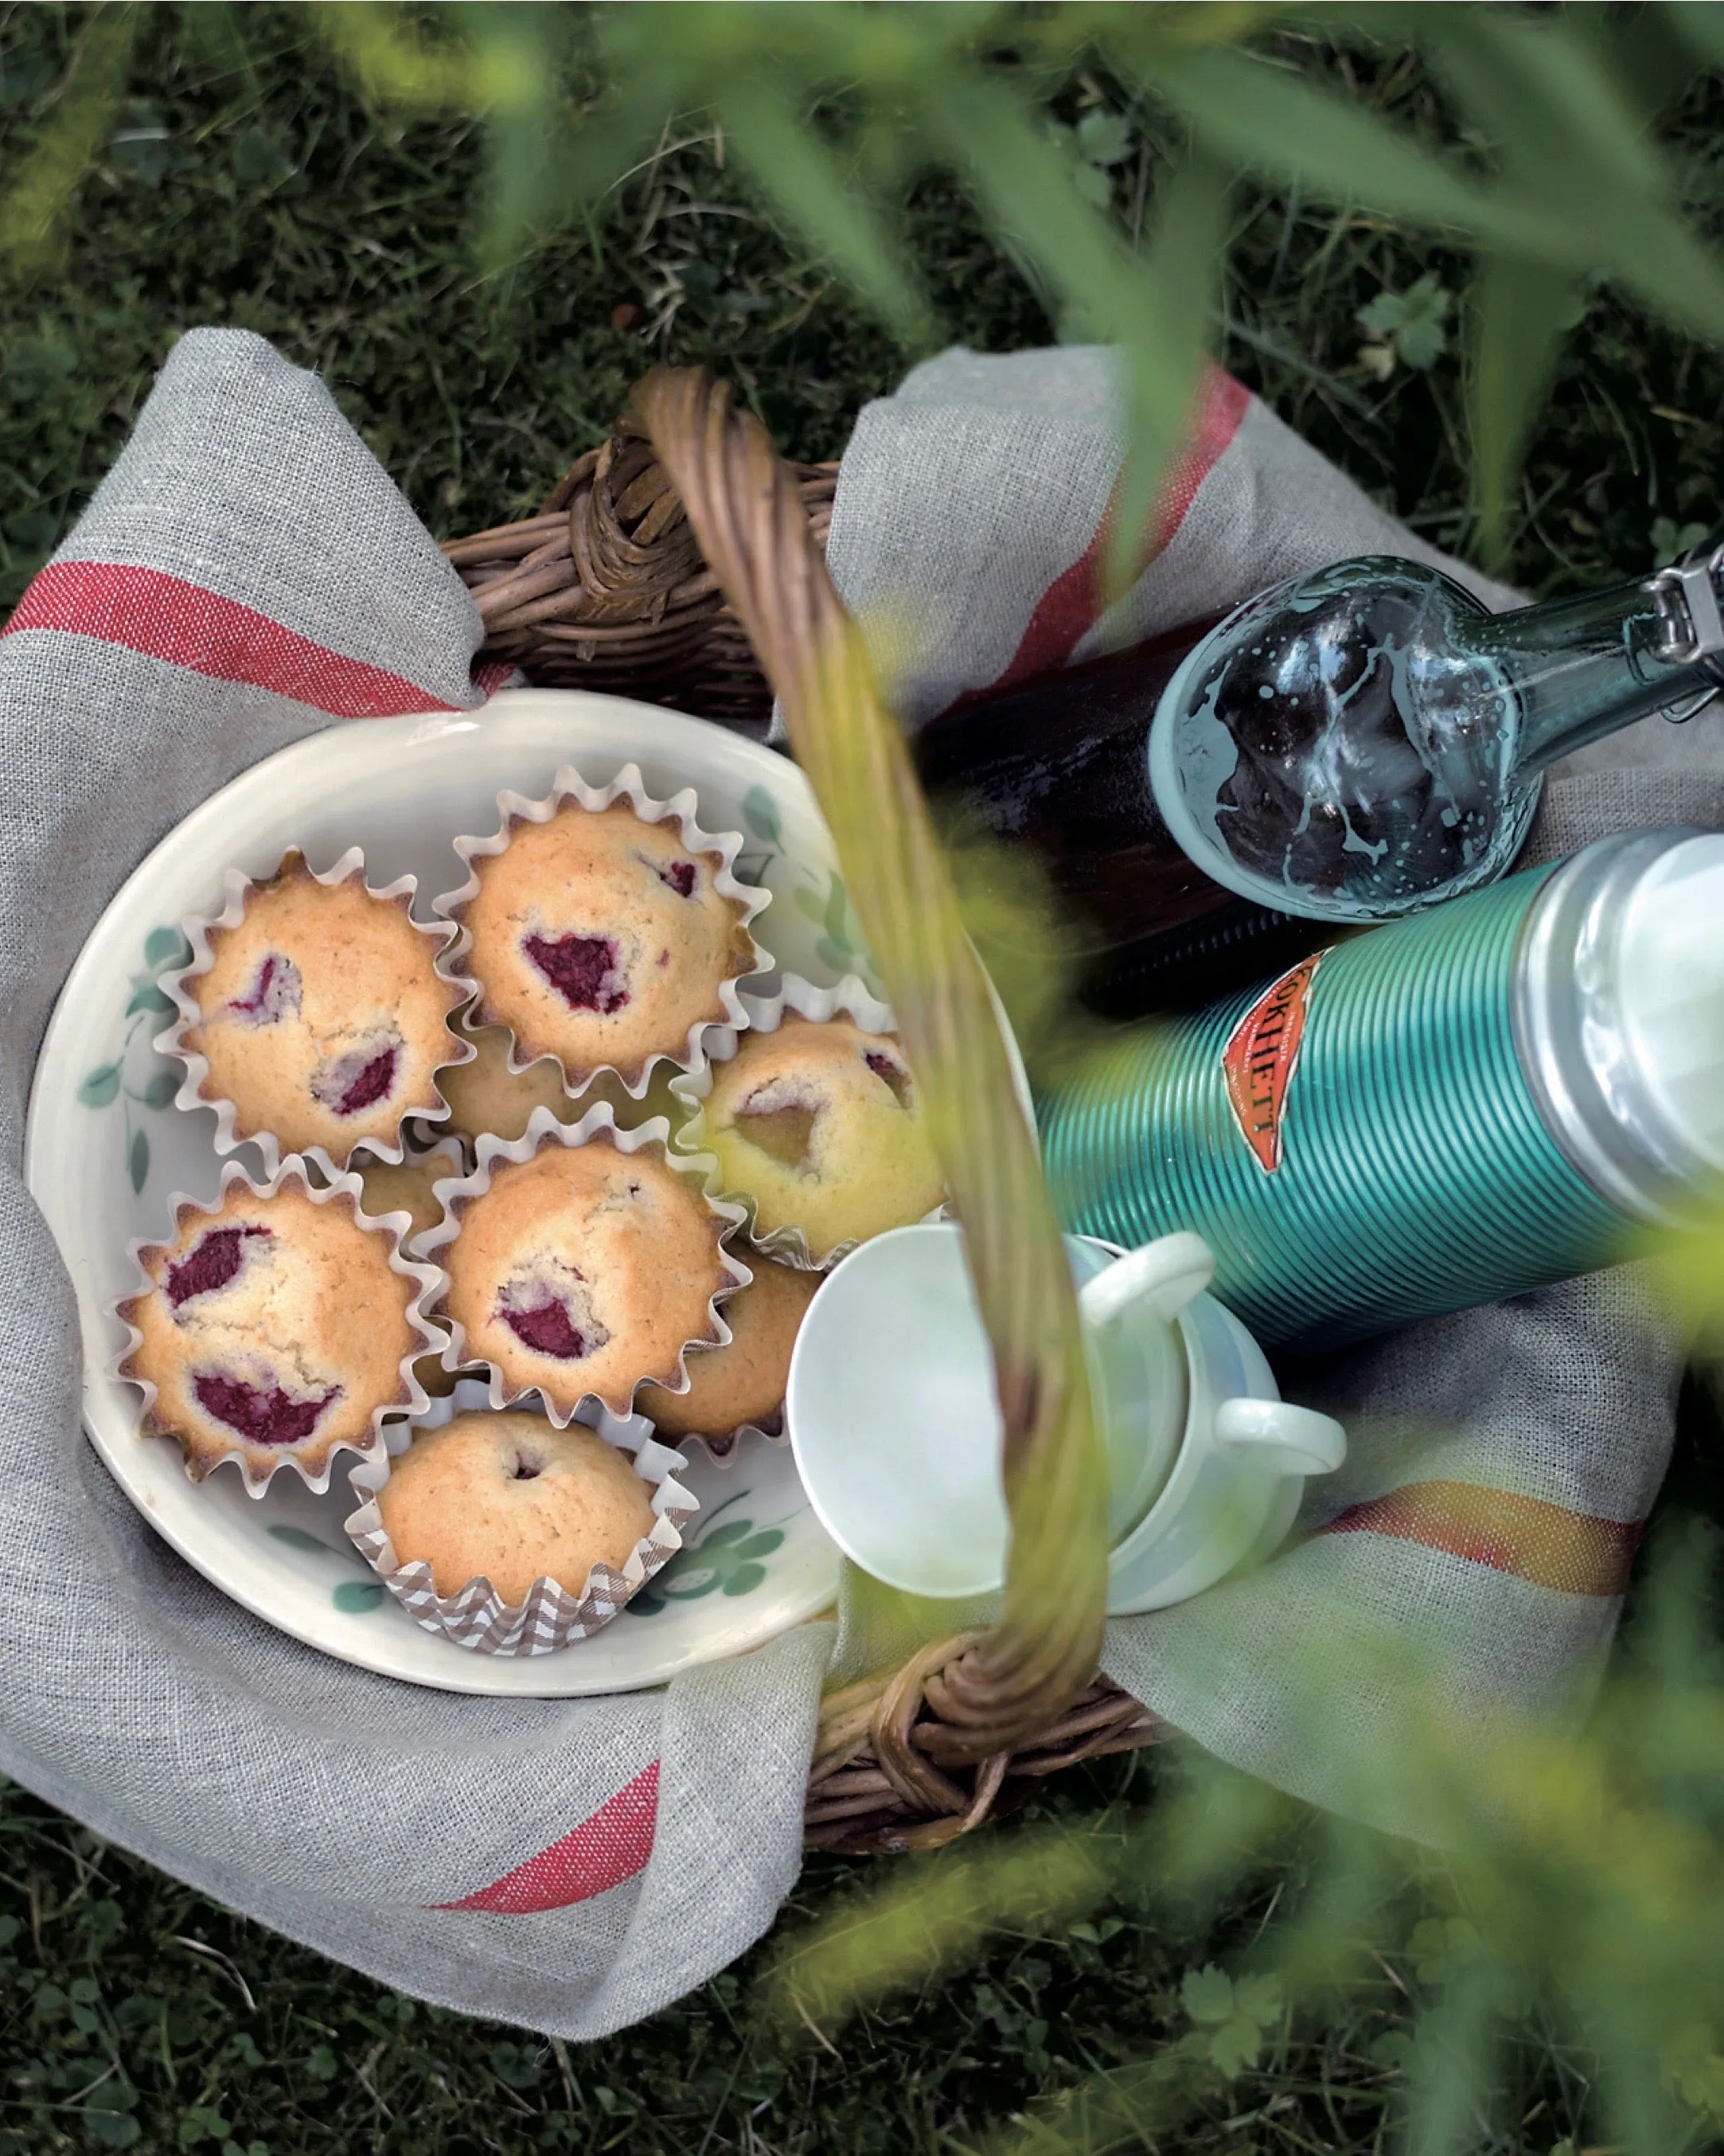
[248, 186]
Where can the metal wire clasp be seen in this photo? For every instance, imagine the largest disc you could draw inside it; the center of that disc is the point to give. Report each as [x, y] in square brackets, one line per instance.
[1690, 619]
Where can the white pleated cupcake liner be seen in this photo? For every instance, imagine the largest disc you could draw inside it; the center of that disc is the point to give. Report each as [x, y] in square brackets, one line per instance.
[552, 1617]
[629, 785]
[543, 1128]
[411, 1397]
[848, 999]
[449, 1150]
[179, 986]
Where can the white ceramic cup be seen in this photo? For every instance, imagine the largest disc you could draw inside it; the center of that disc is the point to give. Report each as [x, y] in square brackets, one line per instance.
[896, 1428]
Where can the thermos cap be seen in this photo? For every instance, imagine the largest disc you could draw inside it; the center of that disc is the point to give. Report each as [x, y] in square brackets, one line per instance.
[1670, 972]
[1618, 1014]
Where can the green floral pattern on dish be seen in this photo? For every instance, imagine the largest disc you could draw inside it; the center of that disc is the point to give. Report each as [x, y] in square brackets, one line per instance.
[164, 948]
[727, 1560]
[353, 1598]
[840, 945]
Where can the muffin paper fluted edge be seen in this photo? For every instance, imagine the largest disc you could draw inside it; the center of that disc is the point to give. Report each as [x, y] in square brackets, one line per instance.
[542, 1127]
[412, 1398]
[177, 985]
[848, 999]
[552, 1617]
[629, 785]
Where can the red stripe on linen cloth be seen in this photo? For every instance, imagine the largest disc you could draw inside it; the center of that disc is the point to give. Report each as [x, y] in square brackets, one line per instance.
[165, 618]
[1574, 1553]
[1071, 606]
[600, 1853]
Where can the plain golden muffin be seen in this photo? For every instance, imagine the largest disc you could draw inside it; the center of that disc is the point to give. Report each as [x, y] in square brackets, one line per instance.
[272, 1329]
[602, 939]
[745, 1382]
[485, 1096]
[585, 1270]
[511, 1499]
[320, 1014]
[820, 1125]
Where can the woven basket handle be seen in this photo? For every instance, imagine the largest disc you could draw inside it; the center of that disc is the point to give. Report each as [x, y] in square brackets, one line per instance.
[743, 503]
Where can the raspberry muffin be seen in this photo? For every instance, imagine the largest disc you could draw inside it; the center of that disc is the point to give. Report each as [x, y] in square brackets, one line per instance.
[745, 1382]
[819, 1125]
[320, 1015]
[583, 1269]
[274, 1330]
[603, 940]
[510, 1499]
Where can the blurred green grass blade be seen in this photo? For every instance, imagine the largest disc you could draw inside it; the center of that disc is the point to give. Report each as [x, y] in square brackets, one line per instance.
[519, 54]
[1182, 275]
[931, 1911]
[1699, 26]
[393, 63]
[1144, 306]
[1571, 137]
[1520, 308]
[802, 179]
[34, 209]
[1270, 120]
[1121, 2108]
[1456, 2040]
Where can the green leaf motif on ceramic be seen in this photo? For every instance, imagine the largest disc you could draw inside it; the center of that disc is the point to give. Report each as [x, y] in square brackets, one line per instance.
[137, 1160]
[164, 948]
[146, 996]
[760, 812]
[100, 1087]
[355, 1598]
[160, 1089]
[726, 1561]
[838, 955]
[297, 1538]
[836, 902]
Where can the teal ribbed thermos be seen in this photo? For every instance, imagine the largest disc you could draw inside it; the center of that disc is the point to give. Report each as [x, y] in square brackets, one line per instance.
[1452, 1108]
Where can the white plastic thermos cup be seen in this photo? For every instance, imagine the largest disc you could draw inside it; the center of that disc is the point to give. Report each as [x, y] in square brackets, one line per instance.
[896, 1428]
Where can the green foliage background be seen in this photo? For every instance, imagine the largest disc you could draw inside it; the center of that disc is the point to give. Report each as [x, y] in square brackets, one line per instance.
[1432, 233]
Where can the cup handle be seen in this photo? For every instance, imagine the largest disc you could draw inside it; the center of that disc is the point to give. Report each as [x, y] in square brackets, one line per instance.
[1165, 1274]
[1302, 1441]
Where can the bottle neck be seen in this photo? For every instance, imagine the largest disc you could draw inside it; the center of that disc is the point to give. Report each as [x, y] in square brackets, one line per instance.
[1581, 668]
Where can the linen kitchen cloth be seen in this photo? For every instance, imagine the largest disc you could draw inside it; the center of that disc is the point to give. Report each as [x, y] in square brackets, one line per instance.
[247, 574]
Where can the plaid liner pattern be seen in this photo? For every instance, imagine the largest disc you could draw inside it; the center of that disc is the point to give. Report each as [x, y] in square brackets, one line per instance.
[247, 574]
[478, 1617]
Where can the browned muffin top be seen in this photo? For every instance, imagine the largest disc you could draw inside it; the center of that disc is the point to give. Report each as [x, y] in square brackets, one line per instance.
[584, 1271]
[273, 1329]
[320, 1014]
[602, 940]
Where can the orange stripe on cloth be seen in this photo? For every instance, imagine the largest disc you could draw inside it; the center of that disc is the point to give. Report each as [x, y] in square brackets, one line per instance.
[1574, 1553]
[1069, 607]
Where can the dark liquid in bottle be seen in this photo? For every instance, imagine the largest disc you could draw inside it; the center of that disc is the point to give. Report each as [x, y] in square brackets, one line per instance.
[1061, 765]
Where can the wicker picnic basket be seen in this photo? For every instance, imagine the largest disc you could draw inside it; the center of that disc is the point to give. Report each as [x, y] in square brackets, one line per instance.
[683, 563]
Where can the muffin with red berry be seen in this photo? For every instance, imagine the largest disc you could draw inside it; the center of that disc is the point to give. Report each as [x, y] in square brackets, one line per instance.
[607, 937]
[319, 1021]
[818, 1125]
[274, 1330]
[579, 1270]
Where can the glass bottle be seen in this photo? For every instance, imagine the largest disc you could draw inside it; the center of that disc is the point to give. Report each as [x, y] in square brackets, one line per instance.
[1343, 748]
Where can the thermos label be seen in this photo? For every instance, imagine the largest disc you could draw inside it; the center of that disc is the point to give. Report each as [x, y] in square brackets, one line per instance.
[1261, 1055]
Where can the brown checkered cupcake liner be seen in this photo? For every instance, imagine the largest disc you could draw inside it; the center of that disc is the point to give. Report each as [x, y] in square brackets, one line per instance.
[598, 1123]
[848, 999]
[179, 986]
[410, 1397]
[682, 808]
[552, 1616]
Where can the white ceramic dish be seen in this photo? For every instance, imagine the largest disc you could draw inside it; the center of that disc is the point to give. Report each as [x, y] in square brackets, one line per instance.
[105, 1145]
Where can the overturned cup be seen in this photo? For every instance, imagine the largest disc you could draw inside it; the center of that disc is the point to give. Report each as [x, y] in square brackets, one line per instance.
[896, 1427]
